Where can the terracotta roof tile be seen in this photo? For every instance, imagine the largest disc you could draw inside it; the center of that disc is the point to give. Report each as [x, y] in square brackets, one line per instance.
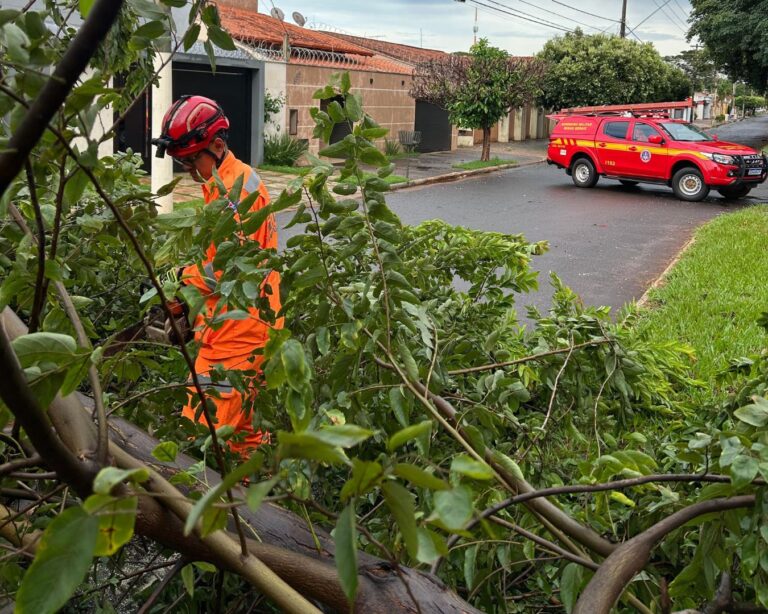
[250, 26]
[404, 53]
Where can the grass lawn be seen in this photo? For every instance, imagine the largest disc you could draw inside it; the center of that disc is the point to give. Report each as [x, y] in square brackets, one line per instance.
[189, 204]
[716, 292]
[390, 179]
[286, 170]
[475, 164]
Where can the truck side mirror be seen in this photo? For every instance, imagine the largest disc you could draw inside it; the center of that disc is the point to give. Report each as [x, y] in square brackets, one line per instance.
[656, 139]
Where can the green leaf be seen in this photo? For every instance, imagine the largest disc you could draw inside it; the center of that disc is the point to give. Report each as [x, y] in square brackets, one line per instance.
[257, 492]
[431, 546]
[295, 364]
[570, 584]
[214, 519]
[323, 339]
[63, 558]
[755, 414]
[308, 445]
[353, 107]
[468, 466]
[109, 477]
[419, 477]
[166, 452]
[345, 540]
[37, 347]
[470, 565]
[365, 475]
[221, 38]
[507, 464]
[371, 155]
[151, 29]
[743, 470]
[400, 503]
[453, 507]
[343, 435]
[188, 578]
[374, 133]
[408, 433]
[117, 517]
[191, 35]
[252, 465]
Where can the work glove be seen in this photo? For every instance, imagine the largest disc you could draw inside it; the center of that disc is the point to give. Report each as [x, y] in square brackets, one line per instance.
[180, 313]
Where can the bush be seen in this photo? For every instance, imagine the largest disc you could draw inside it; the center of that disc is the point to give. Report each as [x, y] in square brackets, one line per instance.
[720, 118]
[392, 147]
[283, 150]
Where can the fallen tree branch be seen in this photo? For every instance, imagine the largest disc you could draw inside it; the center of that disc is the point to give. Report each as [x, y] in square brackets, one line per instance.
[617, 571]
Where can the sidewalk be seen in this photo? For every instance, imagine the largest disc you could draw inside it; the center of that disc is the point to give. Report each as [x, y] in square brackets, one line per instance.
[424, 168]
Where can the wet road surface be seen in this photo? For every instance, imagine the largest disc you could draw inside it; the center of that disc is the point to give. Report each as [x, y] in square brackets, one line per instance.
[608, 243]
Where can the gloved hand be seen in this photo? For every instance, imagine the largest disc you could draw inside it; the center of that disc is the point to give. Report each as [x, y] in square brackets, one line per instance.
[180, 312]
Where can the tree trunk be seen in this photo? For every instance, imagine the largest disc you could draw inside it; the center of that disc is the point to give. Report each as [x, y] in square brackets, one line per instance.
[486, 155]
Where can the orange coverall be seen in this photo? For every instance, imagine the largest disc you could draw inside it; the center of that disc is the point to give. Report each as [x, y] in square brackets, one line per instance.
[232, 343]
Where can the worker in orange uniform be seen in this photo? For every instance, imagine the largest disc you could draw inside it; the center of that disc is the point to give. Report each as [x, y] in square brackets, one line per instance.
[194, 133]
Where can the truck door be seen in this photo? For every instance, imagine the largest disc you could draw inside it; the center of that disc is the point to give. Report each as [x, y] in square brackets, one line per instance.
[612, 146]
[648, 152]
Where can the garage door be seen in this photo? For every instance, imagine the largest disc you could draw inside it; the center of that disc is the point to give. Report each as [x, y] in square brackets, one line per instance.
[231, 88]
[432, 122]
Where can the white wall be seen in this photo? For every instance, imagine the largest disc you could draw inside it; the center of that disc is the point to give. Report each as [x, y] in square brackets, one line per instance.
[275, 83]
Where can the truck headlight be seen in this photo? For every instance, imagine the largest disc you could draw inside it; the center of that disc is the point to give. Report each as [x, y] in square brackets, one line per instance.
[723, 159]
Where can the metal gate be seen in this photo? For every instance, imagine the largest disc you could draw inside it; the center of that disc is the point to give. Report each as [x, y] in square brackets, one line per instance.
[231, 88]
[435, 128]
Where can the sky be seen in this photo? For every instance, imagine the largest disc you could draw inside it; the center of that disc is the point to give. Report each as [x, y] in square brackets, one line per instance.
[509, 24]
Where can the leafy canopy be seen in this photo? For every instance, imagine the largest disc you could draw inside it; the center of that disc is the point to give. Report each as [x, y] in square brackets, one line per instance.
[735, 35]
[602, 69]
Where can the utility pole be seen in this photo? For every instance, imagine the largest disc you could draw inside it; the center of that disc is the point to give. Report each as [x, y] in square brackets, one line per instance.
[474, 29]
[623, 32]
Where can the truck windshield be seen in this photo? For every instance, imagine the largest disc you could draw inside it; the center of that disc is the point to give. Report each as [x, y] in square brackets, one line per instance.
[684, 132]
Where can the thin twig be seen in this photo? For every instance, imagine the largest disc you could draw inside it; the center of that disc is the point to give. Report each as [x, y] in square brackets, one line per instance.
[517, 361]
[22, 463]
[162, 586]
[37, 302]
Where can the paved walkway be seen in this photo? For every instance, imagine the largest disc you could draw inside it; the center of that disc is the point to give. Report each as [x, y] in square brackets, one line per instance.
[423, 166]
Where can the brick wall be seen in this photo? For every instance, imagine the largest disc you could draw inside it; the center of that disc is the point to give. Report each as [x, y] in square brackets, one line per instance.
[385, 98]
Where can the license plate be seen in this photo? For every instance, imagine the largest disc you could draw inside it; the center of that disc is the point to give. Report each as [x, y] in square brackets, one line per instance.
[755, 171]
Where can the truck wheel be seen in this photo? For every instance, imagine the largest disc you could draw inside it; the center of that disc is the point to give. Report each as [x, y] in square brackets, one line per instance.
[583, 173]
[628, 182]
[688, 184]
[739, 191]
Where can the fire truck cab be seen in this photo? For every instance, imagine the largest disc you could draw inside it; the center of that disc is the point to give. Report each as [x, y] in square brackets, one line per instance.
[648, 146]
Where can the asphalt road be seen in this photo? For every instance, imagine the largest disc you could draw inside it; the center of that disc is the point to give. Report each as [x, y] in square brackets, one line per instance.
[608, 243]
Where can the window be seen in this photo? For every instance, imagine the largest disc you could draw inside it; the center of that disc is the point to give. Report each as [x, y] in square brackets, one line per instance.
[642, 132]
[685, 132]
[293, 122]
[618, 130]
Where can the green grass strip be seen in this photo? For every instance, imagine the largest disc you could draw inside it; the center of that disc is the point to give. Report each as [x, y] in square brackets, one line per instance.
[714, 295]
[286, 170]
[475, 164]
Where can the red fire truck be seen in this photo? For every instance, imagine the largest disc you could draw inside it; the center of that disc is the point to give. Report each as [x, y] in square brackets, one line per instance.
[638, 143]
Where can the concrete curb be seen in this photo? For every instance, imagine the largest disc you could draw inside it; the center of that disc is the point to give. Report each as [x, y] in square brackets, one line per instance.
[455, 176]
[642, 303]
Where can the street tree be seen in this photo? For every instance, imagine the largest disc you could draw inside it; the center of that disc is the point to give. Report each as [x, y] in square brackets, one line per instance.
[461, 462]
[698, 67]
[605, 69]
[478, 89]
[735, 35]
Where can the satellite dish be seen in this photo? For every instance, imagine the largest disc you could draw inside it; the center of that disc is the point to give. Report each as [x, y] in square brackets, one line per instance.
[277, 14]
[299, 18]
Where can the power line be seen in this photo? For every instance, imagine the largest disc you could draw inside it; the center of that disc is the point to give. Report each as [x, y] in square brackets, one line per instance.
[518, 16]
[578, 10]
[666, 2]
[581, 23]
[672, 18]
[682, 12]
[535, 17]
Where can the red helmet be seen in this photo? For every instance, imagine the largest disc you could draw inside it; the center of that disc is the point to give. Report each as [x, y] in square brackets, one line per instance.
[189, 126]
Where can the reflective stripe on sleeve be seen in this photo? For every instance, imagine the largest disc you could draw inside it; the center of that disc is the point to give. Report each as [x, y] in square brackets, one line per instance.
[207, 382]
[252, 185]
